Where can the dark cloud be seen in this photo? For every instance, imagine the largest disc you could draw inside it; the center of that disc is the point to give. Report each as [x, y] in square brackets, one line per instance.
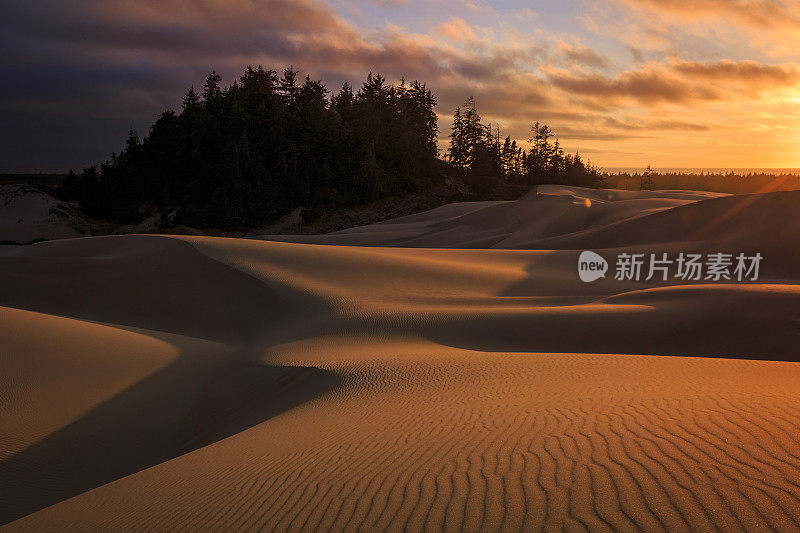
[121, 62]
[84, 71]
[645, 86]
[124, 61]
[583, 55]
[638, 55]
[506, 97]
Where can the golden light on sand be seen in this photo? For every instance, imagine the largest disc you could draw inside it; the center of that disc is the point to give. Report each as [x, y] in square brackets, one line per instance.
[396, 387]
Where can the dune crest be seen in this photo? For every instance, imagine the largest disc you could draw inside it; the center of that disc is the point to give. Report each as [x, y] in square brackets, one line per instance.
[547, 211]
[403, 381]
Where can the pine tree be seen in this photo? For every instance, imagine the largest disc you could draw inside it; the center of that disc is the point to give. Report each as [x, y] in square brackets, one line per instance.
[288, 85]
[132, 145]
[474, 132]
[253, 151]
[342, 102]
[211, 87]
[190, 99]
[646, 181]
[506, 156]
[457, 141]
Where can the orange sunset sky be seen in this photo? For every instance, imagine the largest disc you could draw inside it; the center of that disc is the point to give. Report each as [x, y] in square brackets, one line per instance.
[675, 83]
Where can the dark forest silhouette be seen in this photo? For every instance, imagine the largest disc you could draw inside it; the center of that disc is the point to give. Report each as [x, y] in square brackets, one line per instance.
[246, 154]
[477, 152]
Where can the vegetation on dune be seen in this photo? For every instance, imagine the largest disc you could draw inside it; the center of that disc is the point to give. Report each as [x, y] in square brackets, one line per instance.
[246, 154]
[727, 182]
[242, 156]
[477, 152]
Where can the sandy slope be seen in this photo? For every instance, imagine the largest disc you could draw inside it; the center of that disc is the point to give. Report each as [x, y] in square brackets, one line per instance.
[205, 383]
[27, 213]
[547, 211]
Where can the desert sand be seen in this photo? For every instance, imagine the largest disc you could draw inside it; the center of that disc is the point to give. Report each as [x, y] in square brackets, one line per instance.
[446, 370]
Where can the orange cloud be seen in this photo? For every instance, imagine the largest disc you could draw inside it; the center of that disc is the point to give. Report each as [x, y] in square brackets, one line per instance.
[745, 72]
[456, 30]
[662, 125]
[680, 81]
[648, 86]
[760, 13]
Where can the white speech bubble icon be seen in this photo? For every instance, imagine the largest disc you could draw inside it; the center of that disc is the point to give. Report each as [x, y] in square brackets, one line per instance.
[591, 266]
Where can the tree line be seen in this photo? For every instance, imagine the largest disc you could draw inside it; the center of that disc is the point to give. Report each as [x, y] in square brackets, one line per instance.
[243, 155]
[477, 151]
[726, 182]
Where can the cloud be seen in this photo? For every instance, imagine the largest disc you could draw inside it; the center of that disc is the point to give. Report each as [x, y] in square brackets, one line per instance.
[199, 29]
[133, 58]
[589, 134]
[680, 81]
[647, 86]
[121, 62]
[709, 27]
[650, 125]
[513, 97]
[638, 55]
[746, 72]
[233, 33]
[456, 30]
[763, 14]
[477, 5]
[583, 55]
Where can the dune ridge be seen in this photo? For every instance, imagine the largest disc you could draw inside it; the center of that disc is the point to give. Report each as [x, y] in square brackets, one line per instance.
[292, 386]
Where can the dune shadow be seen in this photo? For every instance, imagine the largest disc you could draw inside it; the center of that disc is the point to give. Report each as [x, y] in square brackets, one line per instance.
[151, 282]
[189, 404]
[744, 320]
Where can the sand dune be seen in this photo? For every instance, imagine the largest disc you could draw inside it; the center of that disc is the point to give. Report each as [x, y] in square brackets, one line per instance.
[197, 383]
[27, 214]
[547, 211]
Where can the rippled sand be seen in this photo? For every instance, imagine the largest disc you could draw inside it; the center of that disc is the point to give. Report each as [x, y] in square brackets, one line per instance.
[153, 382]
